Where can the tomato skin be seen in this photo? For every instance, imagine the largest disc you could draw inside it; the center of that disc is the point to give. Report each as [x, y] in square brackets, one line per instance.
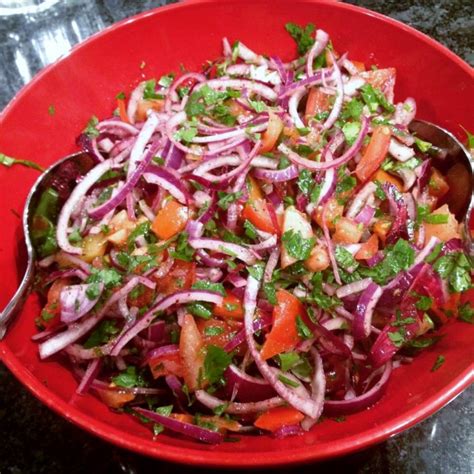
[114, 398]
[148, 104]
[272, 133]
[230, 308]
[283, 336]
[318, 260]
[166, 365]
[382, 227]
[383, 177]
[468, 297]
[256, 211]
[220, 339]
[444, 232]
[334, 210]
[276, 418]
[143, 298]
[347, 231]
[437, 184]
[374, 154]
[316, 103]
[368, 249]
[170, 220]
[52, 309]
[181, 277]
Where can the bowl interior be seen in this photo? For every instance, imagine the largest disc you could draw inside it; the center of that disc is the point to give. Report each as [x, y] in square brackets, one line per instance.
[86, 82]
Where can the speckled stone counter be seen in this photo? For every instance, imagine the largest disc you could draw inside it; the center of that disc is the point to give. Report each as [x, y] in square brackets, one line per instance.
[35, 440]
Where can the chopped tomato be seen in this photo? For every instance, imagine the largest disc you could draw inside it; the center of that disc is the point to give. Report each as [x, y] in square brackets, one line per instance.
[115, 398]
[276, 418]
[170, 220]
[257, 212]
[235, 109]
[214, 331]
[222, 424]
[383, 177]
[141, 296]
[254, 189]
[382, 227]
[123, 110]
[272, 133]
[334, 210]
[230, 308]
[283, 336]
[382, 79]
[190, 350]
[182, 417]
[316, 103]
[50, 315]
[445, 231]
[318, 260]
[374, 154]
[368, 249]
[359, 65]
[166, 365]
[347, 231]
[181, 277]
[145, 105]
[437, 185]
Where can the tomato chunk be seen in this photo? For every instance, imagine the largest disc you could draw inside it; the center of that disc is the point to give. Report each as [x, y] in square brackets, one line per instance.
[272, 133]
[316, 103]
[170, 220]
[368, 249]
[166, 365]
[181, 277]
[256, 211]
[374, 154]
[276, 418]
[230, 308]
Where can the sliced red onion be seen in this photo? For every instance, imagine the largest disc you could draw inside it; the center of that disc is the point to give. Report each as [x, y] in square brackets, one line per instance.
[365, 216]
[400, 152]
[139, 146]
[423, 173]
[335, 324]
[237, 132]
[235, 408]
[163, 351]
[114, 201]
[269, 243]
[288, 430]
[168, 181]
[117, 127]
[329, 183]
[209, 165]
[351, 288]
[77, 194]
[75, 303]
[156, 332]
[405, 112]
[319, 166]
[337, 107]
[246, 387]
[321, 41]
[360, 199]
[135, 97]
[172, 94]
[246, 255]
[361, 325]
[236, 280]
[313, 80]
[180, 297]
[66, 274]
[293, 104]
[361, 402]
[272, 262]
[304, 404]
[258, 324]
[255, 87]
[187, 429]
[318, 389]
[90, 374]
[330, 247]
[277, 176]
[47, 332]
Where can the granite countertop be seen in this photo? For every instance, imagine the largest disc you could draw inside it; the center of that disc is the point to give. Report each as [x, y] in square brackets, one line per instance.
[33, 439]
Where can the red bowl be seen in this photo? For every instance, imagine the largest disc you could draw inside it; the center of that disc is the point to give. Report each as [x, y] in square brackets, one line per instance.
[85, 83]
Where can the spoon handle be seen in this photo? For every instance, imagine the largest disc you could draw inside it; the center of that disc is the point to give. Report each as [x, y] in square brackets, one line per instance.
[18, 298]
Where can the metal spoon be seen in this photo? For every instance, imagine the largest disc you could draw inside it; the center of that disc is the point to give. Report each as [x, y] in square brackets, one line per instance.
[54, 175]
[453, 152]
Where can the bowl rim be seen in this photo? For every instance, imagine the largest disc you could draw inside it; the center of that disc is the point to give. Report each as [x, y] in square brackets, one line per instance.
[196, 456]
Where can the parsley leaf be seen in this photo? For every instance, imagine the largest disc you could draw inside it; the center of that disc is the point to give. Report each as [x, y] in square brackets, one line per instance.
[270, 293]
[296, 245]
[305, 181]
[303, 331]
[302, 36]
[344, 258]
[226, 199]
[374, 97]
[250, 230]
[215, 363]
[129, 378]
[256, 271]
[91, 130]
[183, 251]
[149, 90]
[110, 277]
[440, 360]
[466, 313]
[352, 110]
[291, 383]
[9, 161]
[209, 286]
[101, 334]
[351, 131]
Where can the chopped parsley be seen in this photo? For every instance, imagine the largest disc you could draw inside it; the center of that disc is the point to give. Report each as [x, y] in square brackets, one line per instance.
[303, 331]
[209, 286]
[440, 360]
[91, 130]
[289, 382]
[102, 334]
[296, 245]
[8, 161]
[466, 313]
[215, 363]
[129, 378]
[456, 269]
[303, 36]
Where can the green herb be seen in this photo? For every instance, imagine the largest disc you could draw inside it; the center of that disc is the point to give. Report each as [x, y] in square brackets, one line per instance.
[304, 150]
[200, 309]
[256, 271]
[374, 97]
[270, 293]
[437, 219]
[316, 192]
[209, 286]
[183, 251]
[74, 237]
[226, 199]
[303, 131]
[351, 131]
[142, 229]
[440, 360]
[470, 138]
[352, 110]
[47, 315]
[250, 230]
[289, 382]
[288, 201]
[319, 297]
[220, 409]
[102, 334]
[288, 360]
[91, 130]
[466, 313]
[455, 268]
[296, 245]
[283, 163]
[424, 303]
[344, 258]
[186, 133]
[213, 331]
[397, 338]
[93, 291]
[423, 343]
[302, 36]
[257, 105]
[379, 192]
[149, 91]
[340, 419]
[422, 145]
[305, 181]
[167, 80]
[8, 161]
[345, 184]
[51, 110]
[158, 160]
[129, 378]
[108, 276]
[303, 331]
[215, 363]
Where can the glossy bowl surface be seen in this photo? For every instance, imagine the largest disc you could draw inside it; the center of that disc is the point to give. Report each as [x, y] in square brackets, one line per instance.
[86, 81]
